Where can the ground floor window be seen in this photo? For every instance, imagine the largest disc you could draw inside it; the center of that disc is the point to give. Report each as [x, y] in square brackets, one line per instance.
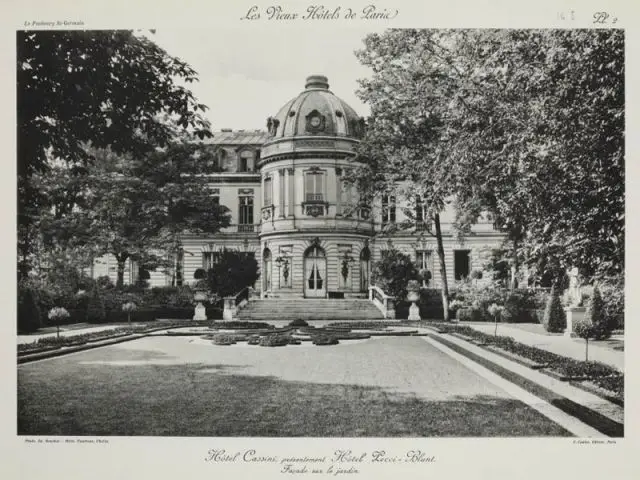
[461, 264]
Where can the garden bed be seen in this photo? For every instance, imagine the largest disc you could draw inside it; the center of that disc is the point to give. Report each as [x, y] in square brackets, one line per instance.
[559, 367]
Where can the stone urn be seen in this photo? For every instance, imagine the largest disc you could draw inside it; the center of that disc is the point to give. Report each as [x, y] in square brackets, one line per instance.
[199, 296]
[413, 294]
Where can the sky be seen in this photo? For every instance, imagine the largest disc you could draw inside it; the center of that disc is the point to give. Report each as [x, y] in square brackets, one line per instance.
[246, 75]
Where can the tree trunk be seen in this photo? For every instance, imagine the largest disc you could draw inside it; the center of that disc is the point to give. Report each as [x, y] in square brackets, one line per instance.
[586, 352]
[514, 268]
[443, 268]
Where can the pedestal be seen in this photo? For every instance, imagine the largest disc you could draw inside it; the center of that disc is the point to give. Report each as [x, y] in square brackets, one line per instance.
[414, 312]
[201, 312]
[574, 314]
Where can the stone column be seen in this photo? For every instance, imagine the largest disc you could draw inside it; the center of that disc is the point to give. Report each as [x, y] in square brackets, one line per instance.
[281, 191]
[291, 190]
[338, 192]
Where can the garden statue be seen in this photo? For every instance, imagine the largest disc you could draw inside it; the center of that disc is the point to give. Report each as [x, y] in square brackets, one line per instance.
[575, 293]
[413, 294]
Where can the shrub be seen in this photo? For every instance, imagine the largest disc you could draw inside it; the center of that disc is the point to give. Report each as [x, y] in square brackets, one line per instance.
[321, 340]
[275, 340]
[298, 323]
[612, 290]
[595, 315]
[104, 282]
[29, 314]
[95, 308]
[393, 272]
[253, 340]
[232, 272]
[463, 315]
[200, 274]
[554, 317]
[224, 339]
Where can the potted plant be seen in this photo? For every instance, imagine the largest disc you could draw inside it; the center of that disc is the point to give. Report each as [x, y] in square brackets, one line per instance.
[57, 314]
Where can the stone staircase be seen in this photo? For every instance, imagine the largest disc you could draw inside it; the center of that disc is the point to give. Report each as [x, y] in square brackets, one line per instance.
[309, 309]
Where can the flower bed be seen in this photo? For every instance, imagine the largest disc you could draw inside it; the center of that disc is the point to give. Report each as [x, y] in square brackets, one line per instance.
[566, 369]
[237, 325]
[42, 344]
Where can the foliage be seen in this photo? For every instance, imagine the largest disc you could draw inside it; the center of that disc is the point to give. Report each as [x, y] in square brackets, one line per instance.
[275, 340]
[525, 124]
[612, 289]
[392, 272]
[134, 208]
[104, 88]
[235, 324]
[29, 313]
[555, 319]
[298, 322]
[224, 339]
[595, 315]
[200, 274]
[58, 313]
[95, 309]
[324, 339]
[234, 271]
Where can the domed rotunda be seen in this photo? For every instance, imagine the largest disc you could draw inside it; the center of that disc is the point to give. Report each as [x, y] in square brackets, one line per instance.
[314, 235]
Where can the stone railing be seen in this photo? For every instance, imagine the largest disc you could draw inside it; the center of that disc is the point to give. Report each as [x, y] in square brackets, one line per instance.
[235, 303]
[385, 303]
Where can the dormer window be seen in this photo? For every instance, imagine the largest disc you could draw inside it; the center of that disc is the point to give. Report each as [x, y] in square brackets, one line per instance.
[246, 161]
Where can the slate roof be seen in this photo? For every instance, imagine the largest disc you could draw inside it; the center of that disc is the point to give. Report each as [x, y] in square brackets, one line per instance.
[237, 137]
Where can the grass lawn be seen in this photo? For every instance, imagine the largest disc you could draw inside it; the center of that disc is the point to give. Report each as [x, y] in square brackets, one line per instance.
[138, 389]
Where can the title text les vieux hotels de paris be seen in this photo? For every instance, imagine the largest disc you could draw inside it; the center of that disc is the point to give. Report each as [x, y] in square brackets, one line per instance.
[319, 12]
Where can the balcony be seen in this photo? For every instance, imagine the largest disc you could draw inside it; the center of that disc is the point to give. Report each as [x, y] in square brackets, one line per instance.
[247, 228]
[315, 205]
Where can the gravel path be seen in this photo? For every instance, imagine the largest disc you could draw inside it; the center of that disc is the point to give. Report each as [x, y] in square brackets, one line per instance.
[401, 364]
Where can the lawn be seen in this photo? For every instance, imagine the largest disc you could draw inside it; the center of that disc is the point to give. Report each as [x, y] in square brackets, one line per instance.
[391, 387]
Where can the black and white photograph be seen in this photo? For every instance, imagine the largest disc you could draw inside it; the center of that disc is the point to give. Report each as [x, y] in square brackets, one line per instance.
[372, 232]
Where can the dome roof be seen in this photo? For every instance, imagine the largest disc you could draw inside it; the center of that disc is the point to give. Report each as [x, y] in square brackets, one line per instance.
[315, 112]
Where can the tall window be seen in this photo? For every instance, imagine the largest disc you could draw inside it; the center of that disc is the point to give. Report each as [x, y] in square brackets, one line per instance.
[314, 186]
[461, 264]
[388, 209]
[209, 259]
[245, 219]
[246, 161]
[268, 192]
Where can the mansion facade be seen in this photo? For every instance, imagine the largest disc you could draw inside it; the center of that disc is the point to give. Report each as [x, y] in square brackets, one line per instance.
[292, 210]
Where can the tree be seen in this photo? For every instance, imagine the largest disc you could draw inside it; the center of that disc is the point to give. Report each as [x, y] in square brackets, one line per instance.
[232, 272]
[406, 139]
[139, 208]
[596, 316]
[525, 124]
[585, 330]
[392, 273]
[554, 319]
[105, 88]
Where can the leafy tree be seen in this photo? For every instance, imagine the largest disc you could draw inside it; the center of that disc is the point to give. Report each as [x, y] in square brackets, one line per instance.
[138, 208]
[232, 272]
[554, 319]
[585, 330]
[392, 273]
[525, 124]
[105, 88]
